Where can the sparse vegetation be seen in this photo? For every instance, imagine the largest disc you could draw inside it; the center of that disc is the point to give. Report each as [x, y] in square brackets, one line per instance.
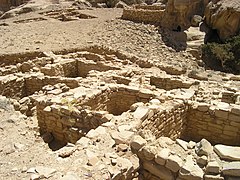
[225, 56]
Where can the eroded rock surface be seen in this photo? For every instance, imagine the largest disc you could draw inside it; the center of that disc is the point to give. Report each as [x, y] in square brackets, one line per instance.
[224, 16]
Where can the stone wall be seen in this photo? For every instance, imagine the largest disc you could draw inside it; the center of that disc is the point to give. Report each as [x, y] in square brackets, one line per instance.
[37, 82]
[169, 121]
[174, 15]
[143, 15]
[168, 82]
[12, 86]
[65, 123]
[72, 119]
[218, 124]
[117, 101]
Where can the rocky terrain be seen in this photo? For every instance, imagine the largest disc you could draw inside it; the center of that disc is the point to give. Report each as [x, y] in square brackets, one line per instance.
[94, 92]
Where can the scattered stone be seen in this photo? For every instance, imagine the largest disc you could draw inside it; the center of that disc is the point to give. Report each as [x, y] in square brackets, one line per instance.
[45, 172]
[204, 148]
[227, 152]
[66, 151]
[19, 146]
[213, 167]
[92, 158]
[35, 177]
[202, 161]
[174, 163]
[231, 169]
[162, 156]
[191, 171]
[160, 171]
[182, 143]
[213, 177]
[141, 113]
[137, 142]
[191, 145]
[31, 170]
[122, 147]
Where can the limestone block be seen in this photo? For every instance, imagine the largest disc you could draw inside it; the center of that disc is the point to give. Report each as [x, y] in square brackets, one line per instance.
[221, 113]
[191, 171]
[137, 142]
[236, 110]
[203, 107]
[213, 177]
[182, 143]
[174, 163]
[157, 170]
[149, 152]
[227, 152]
[204, 148]
[141, 113]
[233, 117]
[162, 156]
[231, 169]
[203, 160]
[213, 167]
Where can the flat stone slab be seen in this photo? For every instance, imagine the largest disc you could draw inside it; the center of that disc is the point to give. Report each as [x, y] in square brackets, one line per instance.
[228, 152]
[231, 169]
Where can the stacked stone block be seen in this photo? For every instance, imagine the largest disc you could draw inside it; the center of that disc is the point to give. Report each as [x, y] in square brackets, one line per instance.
[169, 121]
[215, 123]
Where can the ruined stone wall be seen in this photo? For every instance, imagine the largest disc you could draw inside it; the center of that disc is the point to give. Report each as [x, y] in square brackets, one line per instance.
[84, 67]
[169, 121]
[194, 122]
[216, 124]
[170, 82]
[73, 119]
[12, 86]
[36, 83]
[66, 123]
[143, 15]
[117, 101]
[66, 68]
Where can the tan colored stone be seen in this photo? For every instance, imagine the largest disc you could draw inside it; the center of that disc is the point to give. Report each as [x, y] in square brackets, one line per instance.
[162, 156]
[174, 163]
[137, 142]
[231, 169]
[227, 152]
[213, 167]
[157, 170]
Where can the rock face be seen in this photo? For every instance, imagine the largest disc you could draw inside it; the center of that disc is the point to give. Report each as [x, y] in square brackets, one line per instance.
[6, 4]
[224, 16]
[180, 12]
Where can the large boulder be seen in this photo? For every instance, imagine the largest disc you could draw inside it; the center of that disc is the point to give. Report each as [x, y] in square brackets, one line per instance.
[179, 13]
[223, 15]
